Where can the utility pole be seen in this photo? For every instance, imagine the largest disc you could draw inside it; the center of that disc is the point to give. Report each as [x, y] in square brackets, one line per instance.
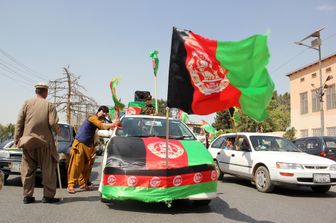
[69, 98]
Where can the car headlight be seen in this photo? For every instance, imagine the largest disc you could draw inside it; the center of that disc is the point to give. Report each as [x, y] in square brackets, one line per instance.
[289, 166]
[332, 167]
[4, 154]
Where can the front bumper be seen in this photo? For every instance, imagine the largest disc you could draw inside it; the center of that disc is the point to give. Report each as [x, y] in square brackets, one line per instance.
[301, 177]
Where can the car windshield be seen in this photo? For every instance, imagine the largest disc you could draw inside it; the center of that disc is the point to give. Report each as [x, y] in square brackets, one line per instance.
[273, 143]
[149, 127]
[65, 133]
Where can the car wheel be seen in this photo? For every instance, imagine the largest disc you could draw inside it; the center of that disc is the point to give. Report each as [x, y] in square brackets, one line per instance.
[321, 189]
[201, 202]
[262, 180]
[220, 174]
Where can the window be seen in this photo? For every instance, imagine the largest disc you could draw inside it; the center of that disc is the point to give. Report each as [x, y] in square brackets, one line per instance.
[317, 132]
[331, 97]
[315, 101]
[302, 79]
[313, 75]
[304, 132]
[331, 131]
[312, 144]
[304, 103]
[218, 142]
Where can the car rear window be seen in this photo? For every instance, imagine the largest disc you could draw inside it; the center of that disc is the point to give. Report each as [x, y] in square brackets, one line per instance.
[330, 142]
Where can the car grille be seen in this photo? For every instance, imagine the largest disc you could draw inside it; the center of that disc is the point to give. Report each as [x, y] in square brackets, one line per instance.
[15, 155]
[313, 167]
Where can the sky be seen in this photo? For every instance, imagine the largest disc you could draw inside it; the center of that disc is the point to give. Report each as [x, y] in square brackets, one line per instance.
[100, 40]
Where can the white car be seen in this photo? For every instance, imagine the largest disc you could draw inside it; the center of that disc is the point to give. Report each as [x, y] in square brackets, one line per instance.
[270, 160]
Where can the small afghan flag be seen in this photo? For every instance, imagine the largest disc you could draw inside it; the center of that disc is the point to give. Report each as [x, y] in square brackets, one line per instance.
[113, 86]
[207, 76]
[207, 127]
[155, 60]
[183, 116]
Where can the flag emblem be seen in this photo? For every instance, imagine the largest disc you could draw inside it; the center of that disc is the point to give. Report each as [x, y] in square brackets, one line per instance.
[159, 149]
[207, 75]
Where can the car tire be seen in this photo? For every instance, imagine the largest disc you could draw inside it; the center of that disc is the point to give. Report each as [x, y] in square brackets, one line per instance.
[321, 189]
[262, 180]
[220, 174]
[201, 202]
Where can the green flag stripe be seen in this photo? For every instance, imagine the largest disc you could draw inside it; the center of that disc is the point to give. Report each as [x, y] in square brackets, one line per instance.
[156, 194]
[246, 62]
[197, 153]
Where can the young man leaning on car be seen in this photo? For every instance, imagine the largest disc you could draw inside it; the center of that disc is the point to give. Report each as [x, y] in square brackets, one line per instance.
[82, 151]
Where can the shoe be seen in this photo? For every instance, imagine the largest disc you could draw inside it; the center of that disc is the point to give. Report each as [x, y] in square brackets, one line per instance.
[71, 190]
[50, 200]
[85, 187]
[28, 200]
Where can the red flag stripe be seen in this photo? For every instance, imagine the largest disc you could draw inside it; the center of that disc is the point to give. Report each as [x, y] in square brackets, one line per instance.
[159, 181]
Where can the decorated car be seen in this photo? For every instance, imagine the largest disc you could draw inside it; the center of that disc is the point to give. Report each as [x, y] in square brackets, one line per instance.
[138, 164]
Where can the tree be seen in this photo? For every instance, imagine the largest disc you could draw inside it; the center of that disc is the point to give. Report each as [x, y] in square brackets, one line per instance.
[222, 120]
[6, 132]
[278, 119]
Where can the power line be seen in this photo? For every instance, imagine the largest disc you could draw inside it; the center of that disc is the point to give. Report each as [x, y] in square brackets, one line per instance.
[292, 58]
[28, 69]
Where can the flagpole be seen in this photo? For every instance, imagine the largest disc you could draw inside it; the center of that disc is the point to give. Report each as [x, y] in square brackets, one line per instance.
[167, 135]
[155, 92]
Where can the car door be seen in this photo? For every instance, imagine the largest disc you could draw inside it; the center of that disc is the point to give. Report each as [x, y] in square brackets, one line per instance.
[237, 160]
[241, 161]
[313, 146]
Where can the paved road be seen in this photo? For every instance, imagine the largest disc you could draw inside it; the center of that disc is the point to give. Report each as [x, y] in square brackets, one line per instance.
[238, 201]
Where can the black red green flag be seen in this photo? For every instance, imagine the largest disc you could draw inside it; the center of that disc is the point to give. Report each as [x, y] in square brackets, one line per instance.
[207, 76]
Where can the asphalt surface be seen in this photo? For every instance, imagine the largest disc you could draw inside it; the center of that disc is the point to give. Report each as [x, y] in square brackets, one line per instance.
[237, 201]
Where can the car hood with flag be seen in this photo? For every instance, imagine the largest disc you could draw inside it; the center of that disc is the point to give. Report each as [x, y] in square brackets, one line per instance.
[216, 75]
[137, 168]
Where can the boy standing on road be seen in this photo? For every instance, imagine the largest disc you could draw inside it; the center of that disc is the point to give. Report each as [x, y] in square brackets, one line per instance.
[83, 151]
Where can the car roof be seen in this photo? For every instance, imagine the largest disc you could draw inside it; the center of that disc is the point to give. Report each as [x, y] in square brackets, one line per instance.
[147, 116]
[248, 134]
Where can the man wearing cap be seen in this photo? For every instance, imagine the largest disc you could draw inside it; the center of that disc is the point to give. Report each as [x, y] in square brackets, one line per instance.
[83, 152]
[33, 133]
[148, 109]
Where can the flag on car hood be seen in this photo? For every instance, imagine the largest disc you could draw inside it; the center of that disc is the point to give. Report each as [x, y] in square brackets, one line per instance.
[216, 75]
[136, 169]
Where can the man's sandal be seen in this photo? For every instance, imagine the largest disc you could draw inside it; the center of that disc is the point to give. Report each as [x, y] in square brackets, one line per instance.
[85, 188]
[71, 190]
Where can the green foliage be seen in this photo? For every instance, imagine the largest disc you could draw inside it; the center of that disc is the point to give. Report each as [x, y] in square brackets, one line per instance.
[222, 120]
[6, 131]
[290, 133]
[278, 119]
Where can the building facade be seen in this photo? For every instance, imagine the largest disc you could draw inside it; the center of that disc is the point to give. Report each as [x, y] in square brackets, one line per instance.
[305, 98]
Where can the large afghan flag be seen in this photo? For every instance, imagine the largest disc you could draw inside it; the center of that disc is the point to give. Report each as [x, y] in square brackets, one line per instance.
[136, 169]
[207, 76]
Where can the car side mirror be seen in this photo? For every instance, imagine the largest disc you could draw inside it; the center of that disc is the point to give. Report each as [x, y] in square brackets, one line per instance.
[105, 133]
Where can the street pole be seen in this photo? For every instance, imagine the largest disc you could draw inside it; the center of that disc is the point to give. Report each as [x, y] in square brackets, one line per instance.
[321, 89]
[316, 45]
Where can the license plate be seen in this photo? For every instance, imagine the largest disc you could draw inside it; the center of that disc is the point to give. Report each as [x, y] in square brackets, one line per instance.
[15, 167]
[321, 178]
